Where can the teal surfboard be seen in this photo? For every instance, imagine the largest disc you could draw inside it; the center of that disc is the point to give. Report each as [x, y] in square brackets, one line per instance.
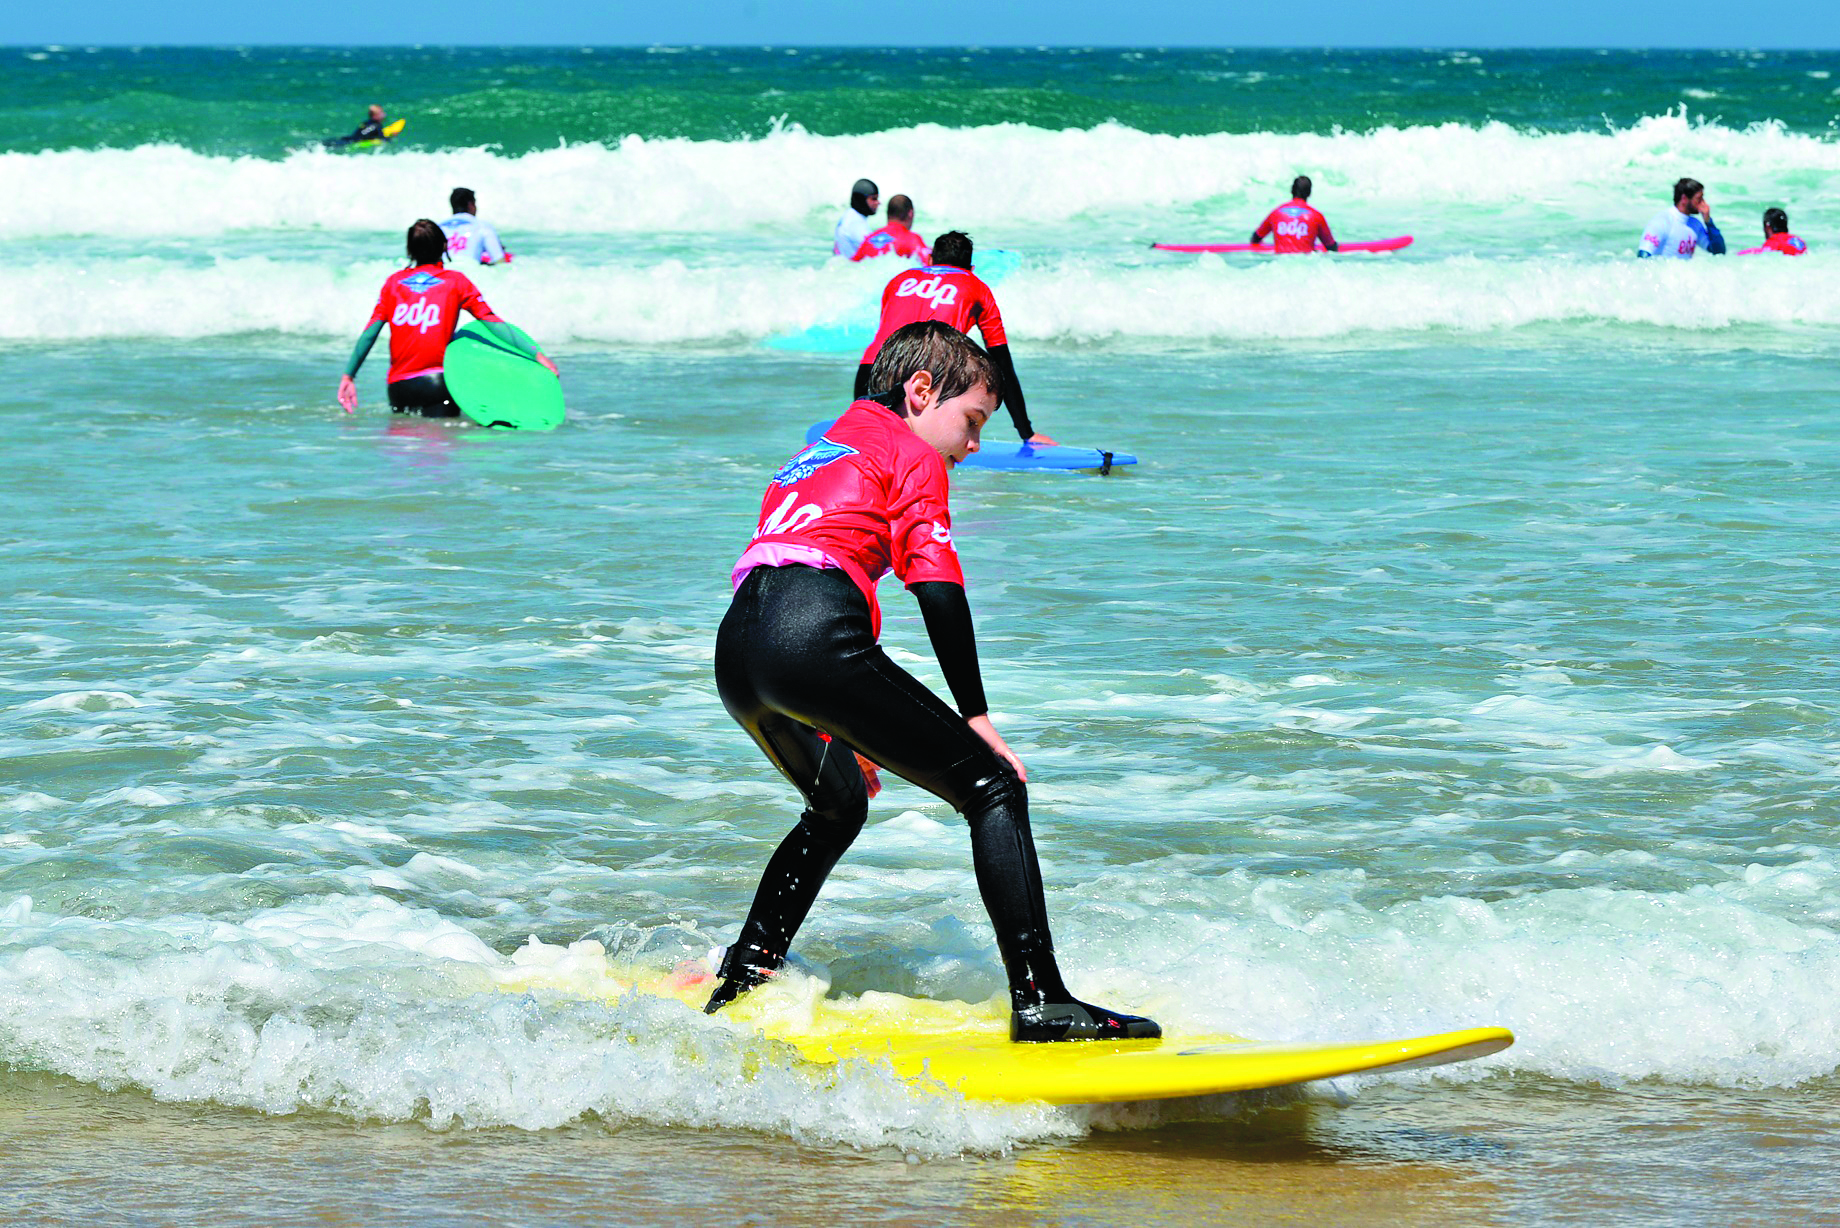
[496, 384]
[851, 332]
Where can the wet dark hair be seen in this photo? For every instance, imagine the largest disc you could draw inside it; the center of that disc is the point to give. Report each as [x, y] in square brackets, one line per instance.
[860, 192]
[956, 362]
[1775, 222]
[1300, 187]
[1684, 188]
[460, 199]
[953, 248]
[900, 209]
[427, 243]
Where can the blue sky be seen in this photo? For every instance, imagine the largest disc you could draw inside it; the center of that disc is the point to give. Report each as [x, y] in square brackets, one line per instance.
[1317, 23]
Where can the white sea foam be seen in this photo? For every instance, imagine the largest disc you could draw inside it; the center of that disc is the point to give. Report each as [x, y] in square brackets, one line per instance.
[1073, 300]
[1004, 174]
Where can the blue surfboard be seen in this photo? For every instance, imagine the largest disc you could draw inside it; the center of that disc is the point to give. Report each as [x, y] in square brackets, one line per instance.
[851, 332]
[1014, 454]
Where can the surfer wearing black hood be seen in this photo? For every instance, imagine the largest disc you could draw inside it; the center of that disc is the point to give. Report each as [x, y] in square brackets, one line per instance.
[858, 221]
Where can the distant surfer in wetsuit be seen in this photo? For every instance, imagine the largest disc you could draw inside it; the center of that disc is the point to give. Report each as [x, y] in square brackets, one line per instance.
[798, 667]
[1776, 236]
[469, 240]
[897, 237]
[1677, 232]
[1294, 226]
[370, 130]
[949, 291]
[858, 220]
[422, 306]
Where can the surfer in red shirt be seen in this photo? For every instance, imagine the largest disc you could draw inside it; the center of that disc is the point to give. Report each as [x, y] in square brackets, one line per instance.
[422, 306]
[947, 290]
[897, 236]
[798, 666]
[1776, 236]
[1295, 226]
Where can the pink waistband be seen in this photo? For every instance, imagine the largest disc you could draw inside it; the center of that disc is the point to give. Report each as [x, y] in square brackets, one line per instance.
[397, 379]
[777, 554]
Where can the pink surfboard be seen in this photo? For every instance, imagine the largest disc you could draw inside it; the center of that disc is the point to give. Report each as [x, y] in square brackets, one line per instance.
[1370, 245]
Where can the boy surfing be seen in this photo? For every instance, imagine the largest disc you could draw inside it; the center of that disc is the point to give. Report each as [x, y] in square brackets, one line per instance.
[798, 667]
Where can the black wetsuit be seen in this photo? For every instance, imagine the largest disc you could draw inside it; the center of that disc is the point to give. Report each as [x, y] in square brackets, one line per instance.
[423, 394]
[796, 653]
[369, 130]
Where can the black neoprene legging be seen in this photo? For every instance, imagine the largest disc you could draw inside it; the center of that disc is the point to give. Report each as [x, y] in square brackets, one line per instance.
[797, 653]
[423, 394]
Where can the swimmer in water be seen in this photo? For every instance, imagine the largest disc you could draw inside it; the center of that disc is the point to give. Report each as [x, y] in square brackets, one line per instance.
[1295, 226]
[798, 667]
[1776, 236]
[947, 290]
[370, 130]
[858, 220]
[1678, 232]
[422, 306]
[897, 237]
[469, 240]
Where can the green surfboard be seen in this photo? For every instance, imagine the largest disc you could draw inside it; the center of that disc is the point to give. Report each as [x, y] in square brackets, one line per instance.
[496, 384]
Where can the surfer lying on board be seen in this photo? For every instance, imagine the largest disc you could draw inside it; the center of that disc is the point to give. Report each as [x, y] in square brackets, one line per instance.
[422, 305]
[897, 236]
[370, 130]
[1294, 226]
[798, 667]
[1677, 233]
[948, 290]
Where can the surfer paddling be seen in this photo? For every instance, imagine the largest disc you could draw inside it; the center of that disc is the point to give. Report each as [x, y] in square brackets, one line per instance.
[798, 667]
[1294, 226]
[949, 291]
[422, 304]
[372, 129]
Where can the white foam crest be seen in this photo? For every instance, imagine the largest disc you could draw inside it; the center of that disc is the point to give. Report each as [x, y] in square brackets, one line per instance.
[1000, 174]
[1075, 301]
[377, 1011]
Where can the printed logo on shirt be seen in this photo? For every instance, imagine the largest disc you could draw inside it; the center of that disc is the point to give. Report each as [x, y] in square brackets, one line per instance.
[420, 283]
[421, 316]
[942, 535]
[812, 459]
[789, 517]
[937, 290]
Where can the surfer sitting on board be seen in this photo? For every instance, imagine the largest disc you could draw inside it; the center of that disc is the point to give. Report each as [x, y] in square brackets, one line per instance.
[422, 304]
[370, 130]
[948, 290]
[1295, 226]
[469, 240]
[1677, 233]
[1776, 236]
[798, 667]
[897, 236]
[858, 220]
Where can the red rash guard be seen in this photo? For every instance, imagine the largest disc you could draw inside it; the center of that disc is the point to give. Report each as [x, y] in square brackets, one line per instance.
[1787, 244]
[1294, 227]
[938, 292]
[894, 237]
[869, 497]
[422, 306]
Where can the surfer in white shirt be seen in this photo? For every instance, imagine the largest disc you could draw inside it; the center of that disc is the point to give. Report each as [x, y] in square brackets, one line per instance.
[1677, 233]
[469, 240]
[858, 221]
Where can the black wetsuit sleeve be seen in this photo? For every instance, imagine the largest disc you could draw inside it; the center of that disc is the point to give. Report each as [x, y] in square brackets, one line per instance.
[1012, 391]
[948, 624]
[862, 380]
[362, 350]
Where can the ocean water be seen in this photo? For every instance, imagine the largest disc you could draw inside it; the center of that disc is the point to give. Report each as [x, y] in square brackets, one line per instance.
[1460, 652]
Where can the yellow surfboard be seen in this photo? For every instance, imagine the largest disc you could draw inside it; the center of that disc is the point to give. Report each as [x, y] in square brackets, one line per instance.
[391, 129]
[965, 1046]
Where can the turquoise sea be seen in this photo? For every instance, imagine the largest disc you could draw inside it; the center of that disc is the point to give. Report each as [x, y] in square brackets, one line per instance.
[1461, 652]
